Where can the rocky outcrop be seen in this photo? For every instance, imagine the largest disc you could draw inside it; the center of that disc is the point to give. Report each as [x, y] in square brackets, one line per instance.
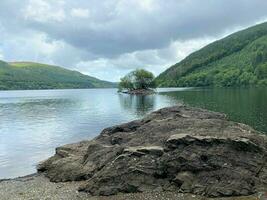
[173, 149]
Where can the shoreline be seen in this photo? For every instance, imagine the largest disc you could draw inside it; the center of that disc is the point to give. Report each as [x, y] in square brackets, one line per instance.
[20, 177]
[37, 186]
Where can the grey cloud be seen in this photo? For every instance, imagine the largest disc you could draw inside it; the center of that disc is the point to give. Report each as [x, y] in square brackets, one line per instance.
[118, 35]
[116, 27]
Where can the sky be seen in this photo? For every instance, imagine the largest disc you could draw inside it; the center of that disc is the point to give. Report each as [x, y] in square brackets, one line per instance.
[110, 38]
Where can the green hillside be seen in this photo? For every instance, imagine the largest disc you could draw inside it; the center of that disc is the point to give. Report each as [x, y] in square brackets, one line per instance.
[28, 75]
[237, 60]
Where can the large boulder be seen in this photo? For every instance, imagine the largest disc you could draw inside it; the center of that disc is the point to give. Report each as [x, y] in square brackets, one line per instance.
[178, 148]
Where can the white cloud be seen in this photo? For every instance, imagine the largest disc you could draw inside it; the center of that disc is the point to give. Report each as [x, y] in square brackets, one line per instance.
[44, 11]
[38, 47]
[80, 12]
[124, 6]
[1, 55]
[148, 5]
[45, 49]
[184, 48]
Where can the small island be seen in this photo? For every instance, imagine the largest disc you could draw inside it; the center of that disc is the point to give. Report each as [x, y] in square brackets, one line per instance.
[138, 82]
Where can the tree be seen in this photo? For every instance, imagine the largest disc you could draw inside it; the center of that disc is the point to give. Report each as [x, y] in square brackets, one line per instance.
[137, 79]
[126, 83]
[261, 71]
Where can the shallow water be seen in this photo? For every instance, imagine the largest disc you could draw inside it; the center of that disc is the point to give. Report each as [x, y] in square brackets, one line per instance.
[33, 123]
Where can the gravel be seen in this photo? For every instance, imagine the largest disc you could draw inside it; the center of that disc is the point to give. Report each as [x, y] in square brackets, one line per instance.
[38, 187]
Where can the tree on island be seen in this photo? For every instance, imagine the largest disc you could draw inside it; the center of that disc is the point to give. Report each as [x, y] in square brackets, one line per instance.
[138, 79]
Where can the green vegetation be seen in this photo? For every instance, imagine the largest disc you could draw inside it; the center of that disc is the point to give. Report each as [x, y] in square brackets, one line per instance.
[28, 75]
[237, 60]
[138, 79]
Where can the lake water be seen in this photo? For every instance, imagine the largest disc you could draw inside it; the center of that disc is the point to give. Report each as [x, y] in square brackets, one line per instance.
[33, 123]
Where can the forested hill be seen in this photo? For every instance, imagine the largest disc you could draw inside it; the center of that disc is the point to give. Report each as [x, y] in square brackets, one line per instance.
[237, 60]
[28, 75]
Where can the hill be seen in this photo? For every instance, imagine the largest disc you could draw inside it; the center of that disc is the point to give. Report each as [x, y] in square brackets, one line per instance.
[237, 60]
[29, 75]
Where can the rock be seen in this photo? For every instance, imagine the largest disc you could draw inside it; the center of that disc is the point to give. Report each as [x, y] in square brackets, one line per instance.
[67, 164]
[184, 181]
[242, 144]
[173, 149]
[153, 150]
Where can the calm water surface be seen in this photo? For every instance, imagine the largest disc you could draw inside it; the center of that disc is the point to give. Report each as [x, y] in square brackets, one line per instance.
[33, 123]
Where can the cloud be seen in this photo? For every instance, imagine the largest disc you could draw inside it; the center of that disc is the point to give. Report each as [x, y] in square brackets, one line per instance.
[43, 11]
[80, 12]
[123, 26]
[154, 60]
[114, 36]
[1, 55]
[39, 48]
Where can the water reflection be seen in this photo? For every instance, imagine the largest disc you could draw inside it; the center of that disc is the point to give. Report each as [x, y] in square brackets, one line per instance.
[139, 105]
[246, 105]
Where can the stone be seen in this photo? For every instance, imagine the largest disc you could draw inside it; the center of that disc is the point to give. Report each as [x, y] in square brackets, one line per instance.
[154, 150]
[184, 181]
[179, 148]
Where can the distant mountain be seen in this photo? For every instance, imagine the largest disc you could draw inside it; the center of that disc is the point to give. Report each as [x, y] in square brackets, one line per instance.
[29, 75]
[237, 60]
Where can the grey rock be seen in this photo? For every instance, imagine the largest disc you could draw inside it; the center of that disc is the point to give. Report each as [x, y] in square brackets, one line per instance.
[142, 150]
[173, 149]
[184, 181]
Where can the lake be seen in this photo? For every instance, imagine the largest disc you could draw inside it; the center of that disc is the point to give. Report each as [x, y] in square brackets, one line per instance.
[33, 123]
